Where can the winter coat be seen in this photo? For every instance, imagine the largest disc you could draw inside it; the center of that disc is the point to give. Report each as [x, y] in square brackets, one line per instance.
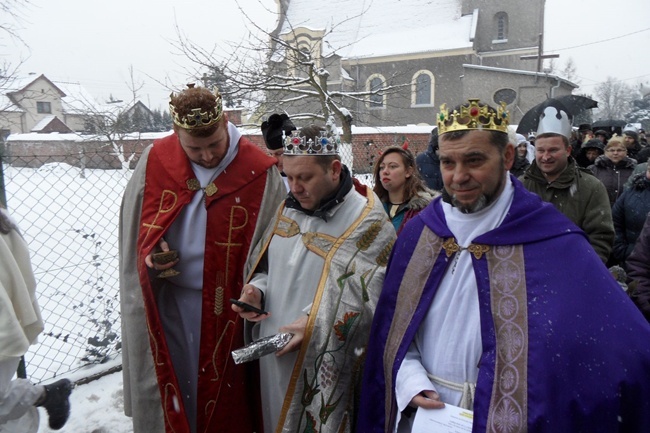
[633, 151]
[613, 176]
[638, 270]
[519, 166]
[629, 214]
[411, 208]
[428, 165]
[640, 168]
[643, 155]
[582, 198]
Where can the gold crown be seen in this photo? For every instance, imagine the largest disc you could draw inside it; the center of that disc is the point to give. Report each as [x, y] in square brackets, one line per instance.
[297, 145]
[197, 118]
[473, 116]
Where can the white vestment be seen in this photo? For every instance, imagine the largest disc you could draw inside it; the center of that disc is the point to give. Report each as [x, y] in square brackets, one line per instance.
[448, 342]
[290, 285]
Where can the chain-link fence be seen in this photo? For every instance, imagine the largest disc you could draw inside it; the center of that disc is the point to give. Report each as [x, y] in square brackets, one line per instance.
[69, 217]
[66, 198]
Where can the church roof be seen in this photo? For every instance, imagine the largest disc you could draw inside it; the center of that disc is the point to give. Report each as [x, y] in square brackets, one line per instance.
[362, 29]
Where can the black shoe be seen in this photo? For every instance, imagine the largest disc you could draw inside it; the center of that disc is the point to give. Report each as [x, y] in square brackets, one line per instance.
[56, 402]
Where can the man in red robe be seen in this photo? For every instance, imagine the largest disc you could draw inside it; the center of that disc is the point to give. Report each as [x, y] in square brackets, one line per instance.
[208, 193]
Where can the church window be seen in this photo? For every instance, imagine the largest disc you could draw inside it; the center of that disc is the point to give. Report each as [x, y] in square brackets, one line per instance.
[422, 88]
[501, 21]
[375, 83]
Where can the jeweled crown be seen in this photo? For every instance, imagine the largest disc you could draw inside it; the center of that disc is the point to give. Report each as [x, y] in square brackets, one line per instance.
[294, 144]
[473, 116]
[197, 118]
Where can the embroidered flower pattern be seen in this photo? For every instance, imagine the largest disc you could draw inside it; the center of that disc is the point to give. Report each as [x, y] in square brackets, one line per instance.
[343, 327]
[508, 418]
[512, 342]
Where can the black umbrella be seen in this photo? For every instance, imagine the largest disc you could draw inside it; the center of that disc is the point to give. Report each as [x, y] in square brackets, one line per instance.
[611, 126]
[572, 104]
[606, 123]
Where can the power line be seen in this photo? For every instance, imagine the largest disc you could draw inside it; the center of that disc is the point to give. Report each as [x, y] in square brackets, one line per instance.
[604, 40]
[596, 83]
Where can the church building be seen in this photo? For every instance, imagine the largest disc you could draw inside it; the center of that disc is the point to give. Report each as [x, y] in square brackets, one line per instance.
[415, 55]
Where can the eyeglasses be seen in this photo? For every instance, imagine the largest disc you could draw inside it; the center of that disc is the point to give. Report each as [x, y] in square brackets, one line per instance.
[616, 150]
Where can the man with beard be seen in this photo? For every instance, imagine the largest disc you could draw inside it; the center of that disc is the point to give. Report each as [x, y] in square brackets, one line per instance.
[318, 272]
[556, 177]
[208, 193]
[480, 304]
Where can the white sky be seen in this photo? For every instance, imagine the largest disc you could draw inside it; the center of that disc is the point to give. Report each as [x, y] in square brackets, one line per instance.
[95, 43]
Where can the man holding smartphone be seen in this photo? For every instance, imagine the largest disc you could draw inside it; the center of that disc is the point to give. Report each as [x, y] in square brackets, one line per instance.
[317, 272]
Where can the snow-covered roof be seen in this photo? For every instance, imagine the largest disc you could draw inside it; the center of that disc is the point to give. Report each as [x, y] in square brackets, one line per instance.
[43, 123]
[77, 99]
[359, 29]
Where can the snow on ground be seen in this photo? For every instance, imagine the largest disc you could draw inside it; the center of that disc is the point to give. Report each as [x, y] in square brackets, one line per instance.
[96, 407]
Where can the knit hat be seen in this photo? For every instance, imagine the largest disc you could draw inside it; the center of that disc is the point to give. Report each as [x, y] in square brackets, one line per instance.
[272, 130]
[631, 133]
[601, 132]
[594, 143]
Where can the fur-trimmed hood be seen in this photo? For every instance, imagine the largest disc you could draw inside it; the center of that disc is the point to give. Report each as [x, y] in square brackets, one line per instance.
[422, 199]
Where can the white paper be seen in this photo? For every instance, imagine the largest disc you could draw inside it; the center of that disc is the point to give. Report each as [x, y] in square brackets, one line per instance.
[450, 419]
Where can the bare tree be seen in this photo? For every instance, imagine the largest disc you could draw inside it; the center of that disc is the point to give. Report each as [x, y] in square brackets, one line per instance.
[614, 99]
[135, 85]
[11, 15]
[277, 72]
[568, 71]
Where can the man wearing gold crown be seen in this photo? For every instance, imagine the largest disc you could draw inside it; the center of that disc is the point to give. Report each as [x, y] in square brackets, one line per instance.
[208, 193]
[495, 302]
[318, 272]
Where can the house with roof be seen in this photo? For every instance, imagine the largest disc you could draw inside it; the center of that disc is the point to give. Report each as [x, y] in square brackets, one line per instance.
[35, 103]
[419, 53]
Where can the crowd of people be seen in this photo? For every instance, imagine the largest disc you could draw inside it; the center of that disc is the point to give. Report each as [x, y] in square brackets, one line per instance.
[476, 275]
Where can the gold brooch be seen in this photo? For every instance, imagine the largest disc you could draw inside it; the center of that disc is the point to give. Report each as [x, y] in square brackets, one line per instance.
[450, 246]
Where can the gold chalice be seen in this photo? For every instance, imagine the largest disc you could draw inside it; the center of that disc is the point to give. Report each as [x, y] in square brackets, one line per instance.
[164, 257]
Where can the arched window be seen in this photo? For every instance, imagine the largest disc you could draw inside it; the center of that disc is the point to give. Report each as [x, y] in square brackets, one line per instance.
[501, 26]
[375, 82]
[422, 88]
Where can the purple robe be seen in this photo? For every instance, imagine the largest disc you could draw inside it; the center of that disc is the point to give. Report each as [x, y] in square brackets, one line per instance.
[564, 349]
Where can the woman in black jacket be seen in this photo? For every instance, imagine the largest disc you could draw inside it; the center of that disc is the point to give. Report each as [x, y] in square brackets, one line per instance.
[613, 168]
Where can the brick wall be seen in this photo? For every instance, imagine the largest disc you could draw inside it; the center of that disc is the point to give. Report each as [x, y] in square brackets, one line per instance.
[33, 152]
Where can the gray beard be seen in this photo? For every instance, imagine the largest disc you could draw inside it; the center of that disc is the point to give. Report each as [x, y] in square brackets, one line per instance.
[480, 204]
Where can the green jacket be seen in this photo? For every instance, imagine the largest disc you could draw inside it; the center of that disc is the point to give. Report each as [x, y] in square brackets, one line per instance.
[582, 198]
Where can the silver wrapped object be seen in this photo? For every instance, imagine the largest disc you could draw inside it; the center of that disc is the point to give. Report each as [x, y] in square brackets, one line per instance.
[261, 347]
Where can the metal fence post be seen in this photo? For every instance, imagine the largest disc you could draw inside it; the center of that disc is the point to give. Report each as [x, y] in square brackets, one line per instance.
[3, 194]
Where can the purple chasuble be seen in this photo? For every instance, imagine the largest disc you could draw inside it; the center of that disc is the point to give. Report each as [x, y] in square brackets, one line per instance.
[564, 349]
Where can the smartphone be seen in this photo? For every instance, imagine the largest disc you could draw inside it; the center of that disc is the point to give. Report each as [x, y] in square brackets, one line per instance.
[247, 307]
